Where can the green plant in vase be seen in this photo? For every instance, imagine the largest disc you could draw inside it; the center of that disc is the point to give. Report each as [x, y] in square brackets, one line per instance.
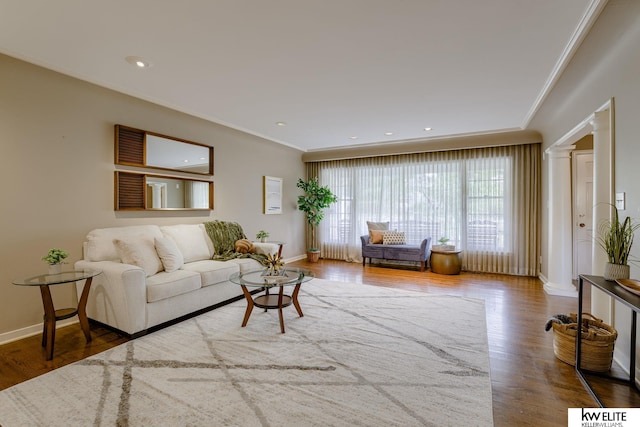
[55, 258]
[616, 238]
[313, 202]
[262, 235]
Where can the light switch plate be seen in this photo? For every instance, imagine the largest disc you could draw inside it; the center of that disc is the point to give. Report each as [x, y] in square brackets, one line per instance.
[620, 201]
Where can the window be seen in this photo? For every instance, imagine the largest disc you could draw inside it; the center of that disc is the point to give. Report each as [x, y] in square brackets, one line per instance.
[467, 196]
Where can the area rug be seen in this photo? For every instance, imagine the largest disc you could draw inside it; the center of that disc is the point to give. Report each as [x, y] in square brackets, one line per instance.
[360, 356]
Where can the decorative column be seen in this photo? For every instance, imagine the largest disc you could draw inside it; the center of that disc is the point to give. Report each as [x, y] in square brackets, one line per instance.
[560, 250]
[603, 190]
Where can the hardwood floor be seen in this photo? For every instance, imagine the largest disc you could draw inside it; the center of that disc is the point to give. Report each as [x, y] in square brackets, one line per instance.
[530, 386]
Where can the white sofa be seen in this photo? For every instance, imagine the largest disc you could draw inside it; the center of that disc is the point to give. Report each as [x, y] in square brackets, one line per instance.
[152, 274]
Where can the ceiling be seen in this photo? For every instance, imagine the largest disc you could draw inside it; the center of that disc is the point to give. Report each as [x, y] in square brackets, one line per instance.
[333, 73]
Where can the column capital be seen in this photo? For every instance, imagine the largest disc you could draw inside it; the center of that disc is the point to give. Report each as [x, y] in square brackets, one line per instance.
[600, 121]
[560, 152]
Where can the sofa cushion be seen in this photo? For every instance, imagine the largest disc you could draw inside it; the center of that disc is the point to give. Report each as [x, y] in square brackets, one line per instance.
[140, 252]
[375, 236]
[169, 254]
[100, 247]
[371, 225]
[212, 272]
[393, 238]
[191, 239]
[166, 285]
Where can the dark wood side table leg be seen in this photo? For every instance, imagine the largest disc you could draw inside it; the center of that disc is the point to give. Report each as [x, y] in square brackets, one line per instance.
[294, 297]
[82, 309]
[249, 299]
[49, 333]
[280, 298]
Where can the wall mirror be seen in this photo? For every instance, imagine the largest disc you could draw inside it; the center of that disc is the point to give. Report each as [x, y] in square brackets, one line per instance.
[135, 191]
[137, 147]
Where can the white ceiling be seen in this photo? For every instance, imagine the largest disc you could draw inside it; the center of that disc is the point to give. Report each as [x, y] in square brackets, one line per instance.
[329, 69]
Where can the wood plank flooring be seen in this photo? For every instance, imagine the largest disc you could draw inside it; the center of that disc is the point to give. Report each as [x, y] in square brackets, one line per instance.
[530, 386]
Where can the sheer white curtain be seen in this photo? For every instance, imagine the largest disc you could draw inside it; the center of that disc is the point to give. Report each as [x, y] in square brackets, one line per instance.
[485, 201]
[196, 194]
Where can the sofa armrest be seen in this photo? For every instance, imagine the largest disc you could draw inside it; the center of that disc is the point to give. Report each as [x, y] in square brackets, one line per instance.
[118, 296]
[266, 248]
[364, 239]
[425, 246]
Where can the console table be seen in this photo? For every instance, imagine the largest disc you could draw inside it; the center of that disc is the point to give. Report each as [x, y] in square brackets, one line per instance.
[629, 299]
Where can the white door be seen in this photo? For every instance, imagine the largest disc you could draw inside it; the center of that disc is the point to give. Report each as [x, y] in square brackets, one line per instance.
[582, 212]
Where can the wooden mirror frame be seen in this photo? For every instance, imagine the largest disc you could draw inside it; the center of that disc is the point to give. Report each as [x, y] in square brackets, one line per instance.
[131, 149]
[130, 190]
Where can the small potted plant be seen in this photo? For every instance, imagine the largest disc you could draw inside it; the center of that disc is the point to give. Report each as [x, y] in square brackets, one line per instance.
[55, 258]
[616, 238]
[262, 235]
[313, 202]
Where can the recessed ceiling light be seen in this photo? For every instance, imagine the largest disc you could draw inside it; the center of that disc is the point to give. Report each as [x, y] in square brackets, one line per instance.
[427, 129]
[186, 161]
[138, 61]
[388, 133]
[281, 123]
[353, 137]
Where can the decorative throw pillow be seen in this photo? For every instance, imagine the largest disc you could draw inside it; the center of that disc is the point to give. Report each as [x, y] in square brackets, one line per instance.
[244, 246]
[139, 252]
[377, 225]
[393, 238]
[169, 254]
[375, 236]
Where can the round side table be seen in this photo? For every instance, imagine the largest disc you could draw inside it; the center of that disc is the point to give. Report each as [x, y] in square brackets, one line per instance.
[51, 315]
[445, 262]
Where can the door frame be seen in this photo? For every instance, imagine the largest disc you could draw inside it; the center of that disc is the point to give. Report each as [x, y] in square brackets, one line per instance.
[574, 195]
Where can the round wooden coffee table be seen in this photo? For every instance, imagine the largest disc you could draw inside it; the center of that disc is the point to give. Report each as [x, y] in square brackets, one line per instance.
[258, 279]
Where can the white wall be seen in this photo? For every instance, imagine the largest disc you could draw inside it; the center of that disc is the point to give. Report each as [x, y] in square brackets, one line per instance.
[56, 137]
[607, 65]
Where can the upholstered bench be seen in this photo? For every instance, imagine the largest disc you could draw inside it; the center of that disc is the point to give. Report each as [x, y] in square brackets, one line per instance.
[418, 253]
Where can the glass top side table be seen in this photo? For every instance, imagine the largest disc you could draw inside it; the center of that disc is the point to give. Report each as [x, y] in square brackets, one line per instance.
[51, 315]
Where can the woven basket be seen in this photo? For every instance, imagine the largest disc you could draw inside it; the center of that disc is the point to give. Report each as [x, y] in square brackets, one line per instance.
[598, 340]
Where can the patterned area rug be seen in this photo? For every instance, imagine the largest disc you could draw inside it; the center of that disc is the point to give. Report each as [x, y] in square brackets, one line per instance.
[361, 356]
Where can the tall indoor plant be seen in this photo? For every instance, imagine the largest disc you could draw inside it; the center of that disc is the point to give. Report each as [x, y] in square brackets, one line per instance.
[313, 202]
[616, 238]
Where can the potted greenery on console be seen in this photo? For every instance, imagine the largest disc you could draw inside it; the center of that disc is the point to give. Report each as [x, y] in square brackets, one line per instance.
[616, 238]
[313, 202]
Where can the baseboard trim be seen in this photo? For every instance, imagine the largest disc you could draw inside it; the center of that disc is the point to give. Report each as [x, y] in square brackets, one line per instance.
[29, 331]
[543, 278]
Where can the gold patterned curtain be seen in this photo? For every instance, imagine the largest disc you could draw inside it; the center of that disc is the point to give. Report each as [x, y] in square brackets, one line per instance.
[486, 201]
